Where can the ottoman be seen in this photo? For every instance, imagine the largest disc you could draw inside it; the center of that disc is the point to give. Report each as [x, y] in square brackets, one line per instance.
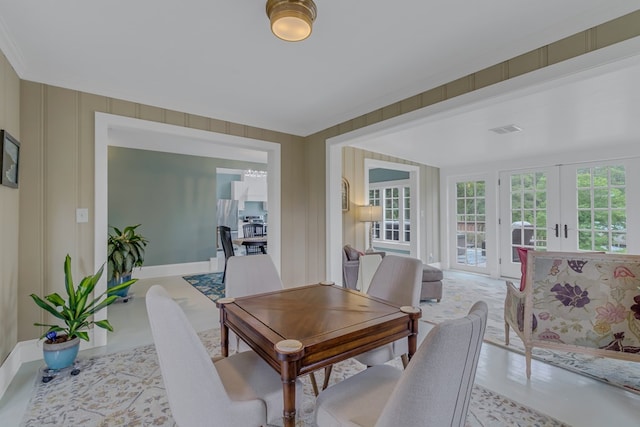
[431, 283]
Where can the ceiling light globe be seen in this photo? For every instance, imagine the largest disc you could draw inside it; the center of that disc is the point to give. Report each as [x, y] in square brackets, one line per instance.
[291, 20]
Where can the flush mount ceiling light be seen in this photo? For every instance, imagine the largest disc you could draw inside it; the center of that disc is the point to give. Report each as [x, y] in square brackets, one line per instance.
[291, 20]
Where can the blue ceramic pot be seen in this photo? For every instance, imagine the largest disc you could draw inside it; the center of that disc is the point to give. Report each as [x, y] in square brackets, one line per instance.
[61, 355]
[114, 282]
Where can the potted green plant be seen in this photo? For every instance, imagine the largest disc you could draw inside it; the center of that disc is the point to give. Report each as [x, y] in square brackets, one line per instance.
[125, 251]
[76, 311]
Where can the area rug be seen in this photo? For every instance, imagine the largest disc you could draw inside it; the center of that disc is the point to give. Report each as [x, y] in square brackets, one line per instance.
[210, 284]
[461, 290]
[126, 389]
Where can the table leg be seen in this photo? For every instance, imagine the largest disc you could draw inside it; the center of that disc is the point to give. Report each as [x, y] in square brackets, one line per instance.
[224, 335]
[288, 375]
[413, 337]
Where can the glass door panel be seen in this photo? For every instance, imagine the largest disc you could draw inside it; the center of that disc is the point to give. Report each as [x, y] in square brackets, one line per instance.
[470, 243]
[596, 217]
[525, 218]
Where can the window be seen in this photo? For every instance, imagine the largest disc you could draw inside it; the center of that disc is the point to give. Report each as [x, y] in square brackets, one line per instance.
[396, 222]
[602, 214]
[471, 223]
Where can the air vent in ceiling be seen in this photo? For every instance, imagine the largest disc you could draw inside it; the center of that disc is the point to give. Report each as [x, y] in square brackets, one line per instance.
[506, 129]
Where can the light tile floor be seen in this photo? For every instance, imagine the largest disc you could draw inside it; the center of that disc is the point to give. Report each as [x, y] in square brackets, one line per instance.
[571, 398]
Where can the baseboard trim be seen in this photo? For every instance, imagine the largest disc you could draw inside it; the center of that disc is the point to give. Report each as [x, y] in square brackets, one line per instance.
[174, 270]
[24, 351]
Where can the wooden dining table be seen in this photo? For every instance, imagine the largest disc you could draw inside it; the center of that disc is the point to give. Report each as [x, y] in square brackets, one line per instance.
[260, 241]
[300, 330]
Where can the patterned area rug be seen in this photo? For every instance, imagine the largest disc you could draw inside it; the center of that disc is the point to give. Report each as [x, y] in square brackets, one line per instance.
[461, 290]
[126, 389]
[209, 284]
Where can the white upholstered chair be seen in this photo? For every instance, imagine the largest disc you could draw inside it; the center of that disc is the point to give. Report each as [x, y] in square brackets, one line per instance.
[249, 275]
[398, 280]
[238, 390]
[434, 389]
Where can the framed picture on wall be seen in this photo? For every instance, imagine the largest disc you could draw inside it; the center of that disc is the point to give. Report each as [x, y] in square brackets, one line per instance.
[345, 195]
[9, 158]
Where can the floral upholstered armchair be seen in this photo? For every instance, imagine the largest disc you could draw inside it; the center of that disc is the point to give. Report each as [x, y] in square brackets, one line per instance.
[579, 302]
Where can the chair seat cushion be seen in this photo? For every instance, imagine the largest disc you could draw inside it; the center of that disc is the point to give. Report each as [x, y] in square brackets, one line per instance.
[431, 274]
[247, 377]
[358, 399]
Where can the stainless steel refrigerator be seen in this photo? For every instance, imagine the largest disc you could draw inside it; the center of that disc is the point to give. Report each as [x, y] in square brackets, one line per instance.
[227, 214]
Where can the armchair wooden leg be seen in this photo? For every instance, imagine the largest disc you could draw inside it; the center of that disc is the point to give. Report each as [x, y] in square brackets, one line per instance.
[506, 333]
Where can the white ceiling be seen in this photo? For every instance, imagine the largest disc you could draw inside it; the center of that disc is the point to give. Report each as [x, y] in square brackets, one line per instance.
[586, 111]
[219, 59]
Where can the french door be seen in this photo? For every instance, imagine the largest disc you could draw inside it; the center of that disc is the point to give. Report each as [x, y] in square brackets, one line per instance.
[470, 247]
[578, 207]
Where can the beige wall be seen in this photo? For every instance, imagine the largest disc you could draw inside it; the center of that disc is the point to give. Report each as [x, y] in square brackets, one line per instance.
[9, 218]
[354, 232]
[58, 137]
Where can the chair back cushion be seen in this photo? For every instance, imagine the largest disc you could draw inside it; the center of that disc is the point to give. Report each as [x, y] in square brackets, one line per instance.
[190, 378]
[398, 279]
[248, 275]
[227, 243]
[435, 389]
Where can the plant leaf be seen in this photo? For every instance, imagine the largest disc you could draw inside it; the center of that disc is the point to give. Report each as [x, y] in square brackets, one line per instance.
[44, 305]
[82, 335]
[104, 324]
[121, 286]
[68, 280]
[55, 299]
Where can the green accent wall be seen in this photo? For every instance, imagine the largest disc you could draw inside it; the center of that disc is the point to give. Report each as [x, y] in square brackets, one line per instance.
[173, 196]
[383, 175]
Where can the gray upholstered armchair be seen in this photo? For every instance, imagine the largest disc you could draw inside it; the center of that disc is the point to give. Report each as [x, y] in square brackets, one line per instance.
[350, 266]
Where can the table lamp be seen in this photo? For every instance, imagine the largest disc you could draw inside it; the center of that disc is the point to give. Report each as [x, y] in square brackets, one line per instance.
[370, 214]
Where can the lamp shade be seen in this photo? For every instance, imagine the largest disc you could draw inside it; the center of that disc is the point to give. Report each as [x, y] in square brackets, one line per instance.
[370, 213]
[291, 20]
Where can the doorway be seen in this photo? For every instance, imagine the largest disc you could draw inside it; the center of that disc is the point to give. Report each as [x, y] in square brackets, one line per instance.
[157, 136]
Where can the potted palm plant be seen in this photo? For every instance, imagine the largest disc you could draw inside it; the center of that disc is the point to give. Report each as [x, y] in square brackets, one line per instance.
[76, 312]
[125, 251]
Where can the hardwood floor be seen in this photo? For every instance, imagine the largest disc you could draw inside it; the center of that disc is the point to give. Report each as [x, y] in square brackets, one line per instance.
[568, 397]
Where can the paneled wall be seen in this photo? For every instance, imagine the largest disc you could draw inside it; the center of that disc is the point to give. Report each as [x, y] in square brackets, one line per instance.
[57, 128]
[9, 215]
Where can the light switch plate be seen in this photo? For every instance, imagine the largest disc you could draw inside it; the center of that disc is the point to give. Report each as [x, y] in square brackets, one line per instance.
[82, 215]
